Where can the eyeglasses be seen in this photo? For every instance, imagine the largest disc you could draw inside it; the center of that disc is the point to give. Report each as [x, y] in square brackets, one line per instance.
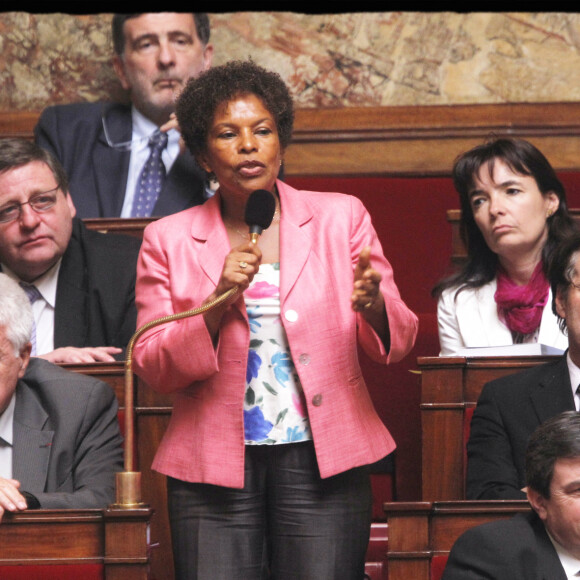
[121, 145]
[39, 202]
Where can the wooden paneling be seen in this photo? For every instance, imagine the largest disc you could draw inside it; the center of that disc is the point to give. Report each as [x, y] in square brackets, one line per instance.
[152, 412]
[116, 539]
[419, 531]
[403, 141]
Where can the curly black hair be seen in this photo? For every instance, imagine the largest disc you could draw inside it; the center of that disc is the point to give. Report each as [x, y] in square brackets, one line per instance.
[202, 95]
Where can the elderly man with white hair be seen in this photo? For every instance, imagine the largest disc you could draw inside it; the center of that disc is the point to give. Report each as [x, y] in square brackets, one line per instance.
[60, 442]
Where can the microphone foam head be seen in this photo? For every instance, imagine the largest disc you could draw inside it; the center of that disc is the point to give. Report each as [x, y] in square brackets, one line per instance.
[260, 209]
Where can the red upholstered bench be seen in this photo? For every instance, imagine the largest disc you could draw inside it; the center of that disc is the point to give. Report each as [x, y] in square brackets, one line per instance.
[437, 566]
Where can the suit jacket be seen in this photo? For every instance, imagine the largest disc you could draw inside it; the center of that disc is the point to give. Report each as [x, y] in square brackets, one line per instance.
[97, 172]
[95, 296]
[471, 320]
[67, 443]
[516, 548]
[508, 410]
[321, 236]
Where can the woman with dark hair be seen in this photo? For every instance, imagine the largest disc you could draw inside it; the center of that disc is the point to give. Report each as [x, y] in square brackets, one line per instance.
[513, 214]
[272, 425]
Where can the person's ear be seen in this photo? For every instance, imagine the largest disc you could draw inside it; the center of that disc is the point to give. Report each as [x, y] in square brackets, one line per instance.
[207, 57]
[24, 355]
[119, 68]
[203, 162]
[560, 304]
[71, 205]
[553, 203]
[538, 503]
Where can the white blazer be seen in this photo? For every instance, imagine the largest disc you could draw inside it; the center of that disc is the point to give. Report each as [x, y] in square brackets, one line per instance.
[471, 320]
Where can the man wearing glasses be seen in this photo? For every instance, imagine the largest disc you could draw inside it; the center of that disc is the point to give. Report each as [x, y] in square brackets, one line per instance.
[510, 408]
[108, 149]
[81, 283]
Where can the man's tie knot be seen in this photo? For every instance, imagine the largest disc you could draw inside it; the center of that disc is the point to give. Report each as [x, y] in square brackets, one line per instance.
[158, 140]
[31, 291]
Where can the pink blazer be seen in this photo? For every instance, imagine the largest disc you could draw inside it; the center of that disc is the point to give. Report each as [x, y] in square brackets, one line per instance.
[321, 236]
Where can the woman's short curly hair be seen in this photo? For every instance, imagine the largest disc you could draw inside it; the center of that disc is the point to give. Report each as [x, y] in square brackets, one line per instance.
[202, 95]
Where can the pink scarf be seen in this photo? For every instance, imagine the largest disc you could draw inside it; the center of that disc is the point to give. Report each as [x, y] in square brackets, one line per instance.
[521, 307]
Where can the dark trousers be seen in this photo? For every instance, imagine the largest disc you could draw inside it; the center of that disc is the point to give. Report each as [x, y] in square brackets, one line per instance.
[285, 524]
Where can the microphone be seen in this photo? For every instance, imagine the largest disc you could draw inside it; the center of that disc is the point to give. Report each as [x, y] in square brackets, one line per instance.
[259, 212]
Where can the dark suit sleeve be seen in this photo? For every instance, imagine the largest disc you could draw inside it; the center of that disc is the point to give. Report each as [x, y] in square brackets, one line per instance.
[45, 132]
[491, 471]
[89, 479]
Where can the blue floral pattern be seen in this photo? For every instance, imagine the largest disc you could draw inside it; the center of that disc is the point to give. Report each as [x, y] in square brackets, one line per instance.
[274, 406]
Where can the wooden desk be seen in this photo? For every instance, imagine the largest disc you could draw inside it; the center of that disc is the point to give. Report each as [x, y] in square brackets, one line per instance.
[128, 226]
[419, 531]
[152, 412]
[116, 539]
[449, 386]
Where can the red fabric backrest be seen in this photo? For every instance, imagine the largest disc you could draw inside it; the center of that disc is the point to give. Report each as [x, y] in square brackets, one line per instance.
[466, 430]
[53, 572]
[437, 566]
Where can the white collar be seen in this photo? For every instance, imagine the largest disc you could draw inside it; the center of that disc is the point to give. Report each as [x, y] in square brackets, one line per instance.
[46, 284]
[143, 128]
[7, 421]
[570, 564]
[574, 372]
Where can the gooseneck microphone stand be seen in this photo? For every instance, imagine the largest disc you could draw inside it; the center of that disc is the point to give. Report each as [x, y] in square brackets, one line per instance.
[128, 482]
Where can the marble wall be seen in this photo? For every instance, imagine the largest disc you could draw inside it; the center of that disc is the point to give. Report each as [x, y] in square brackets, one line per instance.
[332, 60]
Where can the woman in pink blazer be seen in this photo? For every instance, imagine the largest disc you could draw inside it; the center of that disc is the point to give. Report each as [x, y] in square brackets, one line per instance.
[272, 423]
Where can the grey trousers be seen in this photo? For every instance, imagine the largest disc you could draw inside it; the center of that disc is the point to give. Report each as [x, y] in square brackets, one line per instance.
[285, 524]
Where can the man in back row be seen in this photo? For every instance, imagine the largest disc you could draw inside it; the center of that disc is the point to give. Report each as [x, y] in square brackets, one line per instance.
[81, 283]
[118, 162]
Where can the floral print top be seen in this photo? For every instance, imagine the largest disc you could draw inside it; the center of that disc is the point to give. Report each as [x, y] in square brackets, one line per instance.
[274, 405]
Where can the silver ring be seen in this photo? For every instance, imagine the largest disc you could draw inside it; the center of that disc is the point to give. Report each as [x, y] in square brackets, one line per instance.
[243, 265]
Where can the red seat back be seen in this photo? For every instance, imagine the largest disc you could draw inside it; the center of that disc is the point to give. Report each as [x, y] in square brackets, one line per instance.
[437, 566]
[466, 430]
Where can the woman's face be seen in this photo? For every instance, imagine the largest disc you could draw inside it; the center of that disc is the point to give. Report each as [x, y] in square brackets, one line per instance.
[510, 211]
[243, 149]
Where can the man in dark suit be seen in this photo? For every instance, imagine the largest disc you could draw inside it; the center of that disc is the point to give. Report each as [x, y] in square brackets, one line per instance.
[545, 543]
[510, 408]
[82, 282]
[60, 443]
[104, 146]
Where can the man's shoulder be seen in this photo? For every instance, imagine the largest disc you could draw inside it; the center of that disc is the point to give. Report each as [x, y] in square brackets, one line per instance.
[123, 245]
[528, 377]
[508, 534]
[50, 380]
[85, 110]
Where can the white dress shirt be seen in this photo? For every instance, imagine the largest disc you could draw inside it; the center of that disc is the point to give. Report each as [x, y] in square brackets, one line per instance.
[570, 564]
[574, 380]
[6, 439]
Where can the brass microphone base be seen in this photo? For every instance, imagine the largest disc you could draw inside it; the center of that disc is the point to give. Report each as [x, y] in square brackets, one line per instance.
[128, 490]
